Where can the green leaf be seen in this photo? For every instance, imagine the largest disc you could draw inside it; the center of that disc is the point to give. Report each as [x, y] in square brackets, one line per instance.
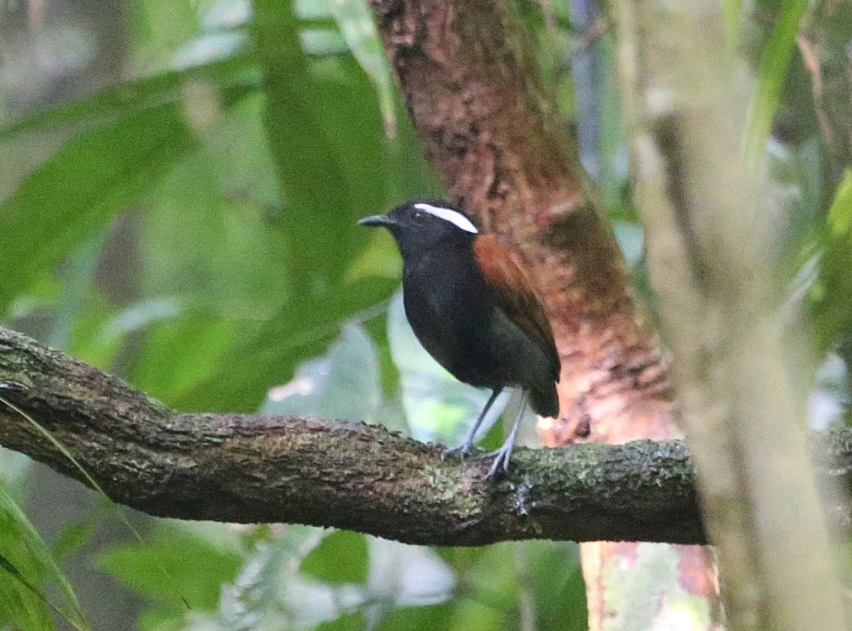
[774, 61]
[128, 97]
[545, 575]
[731, 11]
[20, 603]
[362, 38]
[349, 622]
[380, 258]
[210, 211]
[340, 558]
[175, 568]
[302, 329]
[203, 218]
[80, 188]
[27, 565]
[832, 295]
[76, 534]
[76, 283]
[553, 577]
[166, 25]
[194, 343]
[840, 213]
[494, 577]
[328, 145]
[300, 144]
[426, 618]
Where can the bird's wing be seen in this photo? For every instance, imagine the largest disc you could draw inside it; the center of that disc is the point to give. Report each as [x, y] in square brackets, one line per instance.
[515, 295]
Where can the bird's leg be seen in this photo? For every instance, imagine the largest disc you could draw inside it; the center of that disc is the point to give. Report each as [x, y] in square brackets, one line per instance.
[502, 455]
[468, 439]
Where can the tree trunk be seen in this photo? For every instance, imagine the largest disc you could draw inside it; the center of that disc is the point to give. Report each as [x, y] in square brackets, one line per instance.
[710, 230]
[472, 87]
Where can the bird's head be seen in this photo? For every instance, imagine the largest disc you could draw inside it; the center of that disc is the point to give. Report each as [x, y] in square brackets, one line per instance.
[419, 225]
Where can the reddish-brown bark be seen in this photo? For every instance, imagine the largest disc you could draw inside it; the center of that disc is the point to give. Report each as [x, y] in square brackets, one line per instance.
[490, 127]
[473, 93]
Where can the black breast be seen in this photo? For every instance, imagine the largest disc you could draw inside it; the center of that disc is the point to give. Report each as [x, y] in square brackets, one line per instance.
[449, 306]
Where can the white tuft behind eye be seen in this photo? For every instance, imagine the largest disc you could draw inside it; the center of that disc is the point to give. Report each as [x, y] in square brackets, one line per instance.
[447, 214]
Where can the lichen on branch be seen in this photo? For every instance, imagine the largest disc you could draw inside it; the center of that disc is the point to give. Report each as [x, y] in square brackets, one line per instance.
[253, 468]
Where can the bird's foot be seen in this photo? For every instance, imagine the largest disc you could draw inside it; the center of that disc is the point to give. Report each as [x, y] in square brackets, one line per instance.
[500, 465]
[461, 451]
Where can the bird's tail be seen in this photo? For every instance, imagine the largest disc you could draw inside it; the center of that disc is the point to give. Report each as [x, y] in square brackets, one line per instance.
[545, 402]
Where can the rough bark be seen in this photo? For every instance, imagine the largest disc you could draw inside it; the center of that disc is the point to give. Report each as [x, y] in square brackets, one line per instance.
[473, 91]
[245, 468]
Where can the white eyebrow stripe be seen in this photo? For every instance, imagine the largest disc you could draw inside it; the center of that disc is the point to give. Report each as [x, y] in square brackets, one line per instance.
[447, 214]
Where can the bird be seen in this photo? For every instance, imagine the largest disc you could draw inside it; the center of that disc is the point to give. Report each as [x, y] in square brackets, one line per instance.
[474, 311]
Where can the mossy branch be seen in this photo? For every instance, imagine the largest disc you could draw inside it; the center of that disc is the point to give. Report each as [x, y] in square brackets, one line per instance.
[247, 468]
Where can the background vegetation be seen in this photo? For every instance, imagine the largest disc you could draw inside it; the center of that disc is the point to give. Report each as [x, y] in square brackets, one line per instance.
[180, 186]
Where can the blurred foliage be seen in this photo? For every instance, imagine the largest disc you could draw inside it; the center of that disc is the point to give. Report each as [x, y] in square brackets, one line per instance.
[190, 224]
[26, 566]
[774, 60]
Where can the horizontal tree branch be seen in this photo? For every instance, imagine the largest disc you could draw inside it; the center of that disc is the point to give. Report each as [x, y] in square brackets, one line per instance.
[246, 468]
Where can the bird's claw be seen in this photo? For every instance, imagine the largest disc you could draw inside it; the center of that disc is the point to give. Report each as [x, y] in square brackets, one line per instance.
[460, 451]
[500, 465]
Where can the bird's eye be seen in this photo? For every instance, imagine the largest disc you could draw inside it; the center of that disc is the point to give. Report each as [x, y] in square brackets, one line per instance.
[418, 216]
